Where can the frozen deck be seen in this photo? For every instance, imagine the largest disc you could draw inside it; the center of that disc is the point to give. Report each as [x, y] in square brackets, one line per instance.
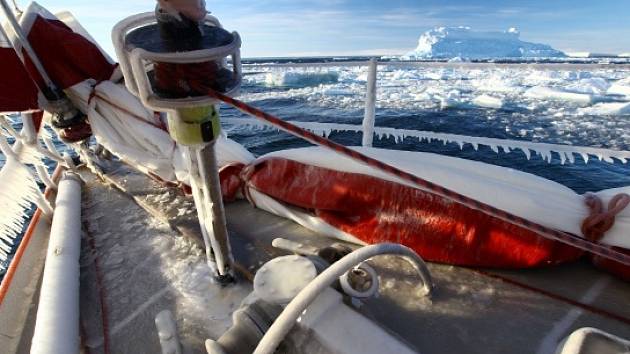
[472, 311]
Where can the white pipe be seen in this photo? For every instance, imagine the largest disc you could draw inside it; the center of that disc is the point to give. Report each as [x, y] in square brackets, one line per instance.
[57, 324]
[370, 105]
[283, 324]
[167, 332]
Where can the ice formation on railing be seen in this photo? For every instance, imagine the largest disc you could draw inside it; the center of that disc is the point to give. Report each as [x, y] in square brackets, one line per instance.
[34, 153]
[19, 184]
[565, 153]
[19, 190]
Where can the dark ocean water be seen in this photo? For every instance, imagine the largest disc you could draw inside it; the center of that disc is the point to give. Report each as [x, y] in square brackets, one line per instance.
[592, 176]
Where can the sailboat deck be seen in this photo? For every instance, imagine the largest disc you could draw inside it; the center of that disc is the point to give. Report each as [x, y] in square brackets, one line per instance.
[150, 259]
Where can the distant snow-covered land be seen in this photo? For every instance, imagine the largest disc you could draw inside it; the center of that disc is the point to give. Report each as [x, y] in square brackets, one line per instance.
[463, 42]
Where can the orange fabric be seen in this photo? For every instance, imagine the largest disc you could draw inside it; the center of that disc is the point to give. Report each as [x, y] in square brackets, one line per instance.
[376, 210]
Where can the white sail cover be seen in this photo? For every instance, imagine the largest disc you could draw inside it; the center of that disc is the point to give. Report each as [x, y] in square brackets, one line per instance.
[531, 197]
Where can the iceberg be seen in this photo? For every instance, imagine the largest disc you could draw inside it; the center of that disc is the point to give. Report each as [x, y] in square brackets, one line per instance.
[463, 42]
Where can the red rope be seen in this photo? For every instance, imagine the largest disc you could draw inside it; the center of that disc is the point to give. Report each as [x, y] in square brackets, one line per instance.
[575, 241]
[594, 226]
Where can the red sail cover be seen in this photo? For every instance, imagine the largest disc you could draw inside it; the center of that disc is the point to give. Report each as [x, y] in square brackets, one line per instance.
[376, 210]
[68, 58]
[17, 91]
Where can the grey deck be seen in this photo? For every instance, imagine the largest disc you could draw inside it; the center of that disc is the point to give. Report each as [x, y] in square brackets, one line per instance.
[469, 313]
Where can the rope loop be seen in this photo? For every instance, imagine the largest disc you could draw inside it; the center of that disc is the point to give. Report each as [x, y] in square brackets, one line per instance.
[595, 226]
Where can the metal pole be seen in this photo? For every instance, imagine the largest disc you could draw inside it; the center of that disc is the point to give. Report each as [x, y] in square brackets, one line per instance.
[370, 105]
[206, 157]
[202, 214]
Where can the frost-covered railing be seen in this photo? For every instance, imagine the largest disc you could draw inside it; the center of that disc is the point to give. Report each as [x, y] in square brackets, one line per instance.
[23, 168]
[434, 64]
[565, 153]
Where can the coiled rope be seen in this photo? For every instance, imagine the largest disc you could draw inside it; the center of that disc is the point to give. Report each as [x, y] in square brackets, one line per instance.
[595, 225]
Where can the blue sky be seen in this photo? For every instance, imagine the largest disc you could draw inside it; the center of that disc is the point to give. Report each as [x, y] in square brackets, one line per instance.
[346, 27]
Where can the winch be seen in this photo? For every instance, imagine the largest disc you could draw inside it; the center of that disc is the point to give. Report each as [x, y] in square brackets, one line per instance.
[164, 55]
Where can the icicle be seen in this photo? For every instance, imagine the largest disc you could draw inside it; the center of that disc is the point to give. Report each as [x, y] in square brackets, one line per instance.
[399, 135]
[19, 190]
[563, 158]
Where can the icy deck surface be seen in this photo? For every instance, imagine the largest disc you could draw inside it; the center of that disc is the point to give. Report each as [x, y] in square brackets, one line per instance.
[147, 267]
[150, 268]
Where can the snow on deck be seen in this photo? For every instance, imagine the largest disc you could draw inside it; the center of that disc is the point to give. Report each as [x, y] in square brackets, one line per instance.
[150, 268]
[146, 267]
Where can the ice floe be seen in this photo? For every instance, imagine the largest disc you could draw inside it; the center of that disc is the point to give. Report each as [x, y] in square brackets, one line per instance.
[301, 79]
[547, 93]
[487, 101]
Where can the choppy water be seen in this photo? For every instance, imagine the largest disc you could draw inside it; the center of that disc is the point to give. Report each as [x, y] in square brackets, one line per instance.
[410, 99]
[413, 99]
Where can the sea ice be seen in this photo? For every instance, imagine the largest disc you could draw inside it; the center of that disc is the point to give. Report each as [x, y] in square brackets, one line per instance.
[619, 89]
[547, 93]
[554, 96]
[607, 109]
[301, 79]
[591, 86]
[486, 101]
